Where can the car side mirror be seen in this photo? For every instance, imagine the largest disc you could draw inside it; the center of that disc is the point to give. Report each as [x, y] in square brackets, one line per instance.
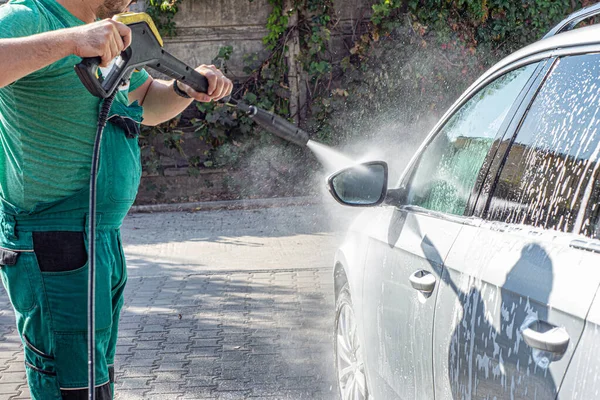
[363, 185]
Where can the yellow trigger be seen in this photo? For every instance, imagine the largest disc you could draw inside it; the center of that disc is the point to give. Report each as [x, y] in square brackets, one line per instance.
[130, 18]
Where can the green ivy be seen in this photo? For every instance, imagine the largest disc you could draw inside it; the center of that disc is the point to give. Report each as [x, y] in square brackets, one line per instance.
[163, 13]
[455, 40]
[496, 26]
[276, 24]
[402, 72]
[267, 86]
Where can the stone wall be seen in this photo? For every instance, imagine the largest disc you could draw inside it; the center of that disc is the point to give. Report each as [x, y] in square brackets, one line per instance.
[204, 26]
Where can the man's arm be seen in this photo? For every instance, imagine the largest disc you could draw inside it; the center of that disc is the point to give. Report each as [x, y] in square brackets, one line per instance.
[161, 103]
[25, 55]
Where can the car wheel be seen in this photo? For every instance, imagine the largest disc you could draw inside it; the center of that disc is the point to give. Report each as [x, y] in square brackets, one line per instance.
[349, 361]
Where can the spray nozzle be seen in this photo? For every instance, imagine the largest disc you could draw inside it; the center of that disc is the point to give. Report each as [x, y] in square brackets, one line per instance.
[273, 123]
[243, 107]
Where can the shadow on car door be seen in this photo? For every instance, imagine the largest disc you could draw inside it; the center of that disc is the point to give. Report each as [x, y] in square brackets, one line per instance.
[497, 287]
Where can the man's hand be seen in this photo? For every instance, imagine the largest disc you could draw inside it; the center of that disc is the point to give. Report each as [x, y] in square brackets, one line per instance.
[218, 85]
[105, 39]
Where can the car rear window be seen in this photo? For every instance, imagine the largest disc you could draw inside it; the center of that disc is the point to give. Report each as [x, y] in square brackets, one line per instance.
[551, 168]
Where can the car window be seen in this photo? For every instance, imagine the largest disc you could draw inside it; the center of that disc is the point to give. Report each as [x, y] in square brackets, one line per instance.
[552, 164]
[447, 170]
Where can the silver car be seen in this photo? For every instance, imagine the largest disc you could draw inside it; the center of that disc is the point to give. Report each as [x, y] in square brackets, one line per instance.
[477, 276]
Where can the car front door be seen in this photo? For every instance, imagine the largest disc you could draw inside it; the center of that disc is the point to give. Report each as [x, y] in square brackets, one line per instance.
[518, 283]
[406, 255]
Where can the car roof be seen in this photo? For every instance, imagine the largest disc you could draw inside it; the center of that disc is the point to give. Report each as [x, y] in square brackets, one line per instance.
[588, 35]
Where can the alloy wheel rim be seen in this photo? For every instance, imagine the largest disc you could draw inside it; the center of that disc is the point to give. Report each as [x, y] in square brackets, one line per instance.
[350, 365]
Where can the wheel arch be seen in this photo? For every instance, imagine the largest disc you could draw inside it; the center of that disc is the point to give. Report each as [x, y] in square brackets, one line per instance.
[340, 279]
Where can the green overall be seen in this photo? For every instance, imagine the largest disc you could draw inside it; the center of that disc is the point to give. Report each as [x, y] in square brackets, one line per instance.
[50, 306]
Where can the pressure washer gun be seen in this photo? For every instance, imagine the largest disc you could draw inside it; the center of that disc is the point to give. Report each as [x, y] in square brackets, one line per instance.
[146, 50]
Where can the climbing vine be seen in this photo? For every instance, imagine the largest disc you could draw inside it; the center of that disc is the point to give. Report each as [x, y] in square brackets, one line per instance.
[500, 26]
[267, 85]
[277, 23]
[163, 13]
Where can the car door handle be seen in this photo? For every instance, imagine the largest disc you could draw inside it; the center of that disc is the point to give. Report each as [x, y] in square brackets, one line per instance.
[423, 281]
[541, 335]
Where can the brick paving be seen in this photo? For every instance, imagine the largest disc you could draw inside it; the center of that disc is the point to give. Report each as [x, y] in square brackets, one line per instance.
[227, 335]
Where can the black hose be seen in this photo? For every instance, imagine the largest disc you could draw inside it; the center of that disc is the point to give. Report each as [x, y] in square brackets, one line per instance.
[102, 119]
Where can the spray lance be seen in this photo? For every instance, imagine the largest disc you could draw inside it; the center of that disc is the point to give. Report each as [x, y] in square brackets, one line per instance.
[146, 50]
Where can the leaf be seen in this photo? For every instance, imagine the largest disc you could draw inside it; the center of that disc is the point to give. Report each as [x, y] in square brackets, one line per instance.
[340, 92]
[212, 118]
[250, 98]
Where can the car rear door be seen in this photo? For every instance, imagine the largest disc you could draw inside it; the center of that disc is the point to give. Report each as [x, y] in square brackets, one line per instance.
[582, 380]
[517, 285]
[406, 255]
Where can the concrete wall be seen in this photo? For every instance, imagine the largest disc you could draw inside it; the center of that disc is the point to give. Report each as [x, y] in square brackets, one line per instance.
[204, 26]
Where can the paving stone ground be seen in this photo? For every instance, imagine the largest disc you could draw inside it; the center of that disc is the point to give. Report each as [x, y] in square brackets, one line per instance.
[213, 336]
[199, 333]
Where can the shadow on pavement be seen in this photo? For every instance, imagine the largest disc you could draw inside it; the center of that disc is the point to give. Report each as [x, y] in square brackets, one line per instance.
[243, 335]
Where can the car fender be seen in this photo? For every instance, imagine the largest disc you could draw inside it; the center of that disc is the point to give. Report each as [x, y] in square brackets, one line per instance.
[352, 254]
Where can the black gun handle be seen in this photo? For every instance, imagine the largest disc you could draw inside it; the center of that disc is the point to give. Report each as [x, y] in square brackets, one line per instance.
[199, 83]
[176, 69]
[196, 81]
[87, 71]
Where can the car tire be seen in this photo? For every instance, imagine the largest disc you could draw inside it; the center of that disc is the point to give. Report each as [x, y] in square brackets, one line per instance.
[349, 360]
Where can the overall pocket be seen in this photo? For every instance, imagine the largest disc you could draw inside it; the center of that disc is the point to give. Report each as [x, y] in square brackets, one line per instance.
[15, 271]
[121, 151]
[41, 372]
[63, 262]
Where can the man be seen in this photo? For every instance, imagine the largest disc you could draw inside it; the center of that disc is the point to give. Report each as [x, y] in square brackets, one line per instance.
[47, 127]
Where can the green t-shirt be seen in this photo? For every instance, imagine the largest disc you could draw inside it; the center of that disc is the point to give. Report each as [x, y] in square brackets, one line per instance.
[47, 119]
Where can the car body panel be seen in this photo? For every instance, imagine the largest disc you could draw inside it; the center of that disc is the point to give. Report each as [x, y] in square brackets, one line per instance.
[582, 380]
[351, 257]
[497, 281]
[398, 319]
